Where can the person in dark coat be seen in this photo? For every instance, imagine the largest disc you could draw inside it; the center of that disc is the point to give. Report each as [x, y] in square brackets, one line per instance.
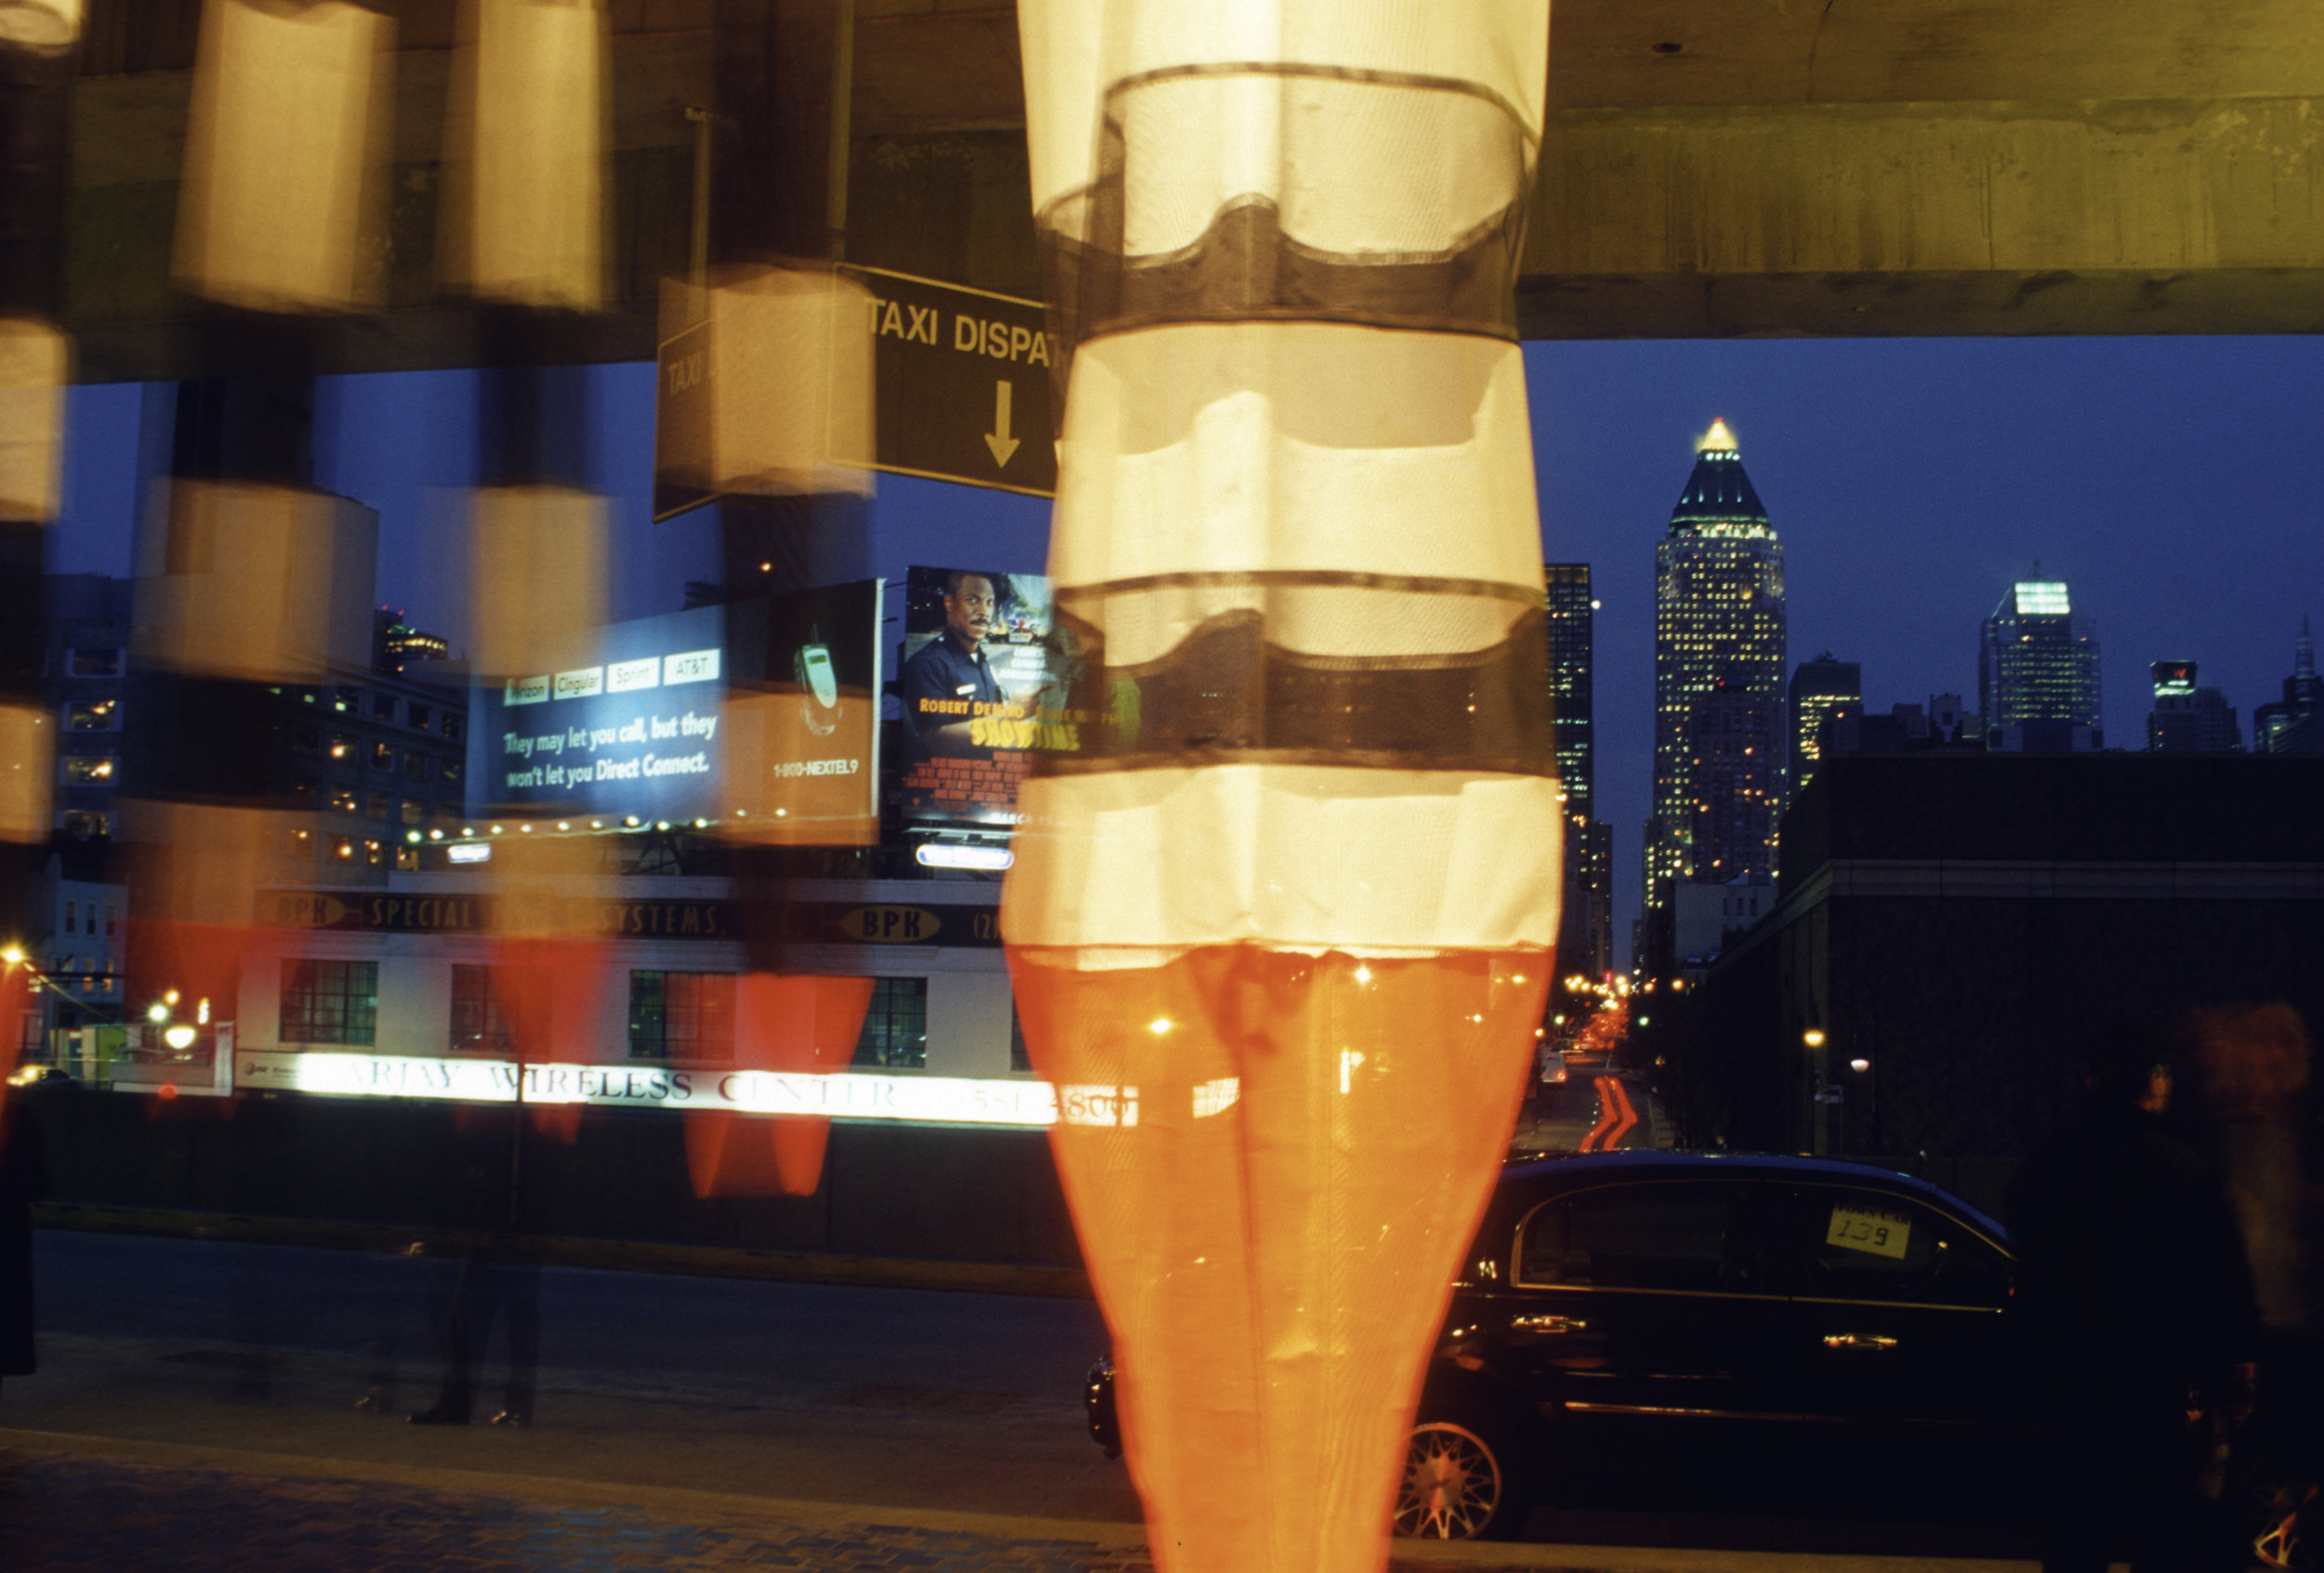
[24, 1180]
[498, 1275]
[2138, 1313]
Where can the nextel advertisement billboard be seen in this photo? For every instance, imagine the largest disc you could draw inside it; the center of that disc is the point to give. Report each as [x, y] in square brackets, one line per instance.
[759, 715]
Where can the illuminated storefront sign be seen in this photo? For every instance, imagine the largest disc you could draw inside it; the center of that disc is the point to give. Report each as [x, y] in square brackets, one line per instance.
[937, 1100]
[806, 922]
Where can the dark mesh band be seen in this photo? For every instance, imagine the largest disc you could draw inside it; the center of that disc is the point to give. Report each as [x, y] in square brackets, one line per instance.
[1245, 268]
[1228, 693]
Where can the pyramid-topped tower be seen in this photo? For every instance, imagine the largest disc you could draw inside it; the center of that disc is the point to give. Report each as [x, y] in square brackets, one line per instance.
[1719, 740]
[1719, 492]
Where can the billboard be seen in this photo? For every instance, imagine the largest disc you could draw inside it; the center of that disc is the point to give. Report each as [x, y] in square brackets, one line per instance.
[983, 681]
[759, 715]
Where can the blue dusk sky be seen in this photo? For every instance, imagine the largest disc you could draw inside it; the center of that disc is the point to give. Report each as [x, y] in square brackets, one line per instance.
[2172, 482]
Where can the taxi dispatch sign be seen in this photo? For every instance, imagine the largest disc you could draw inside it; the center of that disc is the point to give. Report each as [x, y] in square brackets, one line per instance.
[960, 392]
[963, 383]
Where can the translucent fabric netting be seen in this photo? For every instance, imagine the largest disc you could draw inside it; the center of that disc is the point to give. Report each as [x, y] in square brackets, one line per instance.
[35, 364]
[1249, 193]
[1245, 682]
[523, 213]
[1275, 970]
[1286, 447]
[1374, 862]
[1076, 54]
[287, 136]
[1368, 616]
[538, 565]
[1277, 1161]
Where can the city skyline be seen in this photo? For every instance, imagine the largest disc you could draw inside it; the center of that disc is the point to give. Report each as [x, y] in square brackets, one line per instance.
[2164, 478]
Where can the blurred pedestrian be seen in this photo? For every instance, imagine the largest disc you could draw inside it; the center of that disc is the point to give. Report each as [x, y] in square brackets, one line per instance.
[23, 1181]
[2253, 1111]
[2141, 1323]
[498, 1276]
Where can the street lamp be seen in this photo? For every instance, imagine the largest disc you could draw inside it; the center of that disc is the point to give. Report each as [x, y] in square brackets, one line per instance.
[1813, 1037]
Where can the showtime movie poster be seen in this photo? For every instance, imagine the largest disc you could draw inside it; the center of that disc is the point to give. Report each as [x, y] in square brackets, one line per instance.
[759, 715]
[982, 685]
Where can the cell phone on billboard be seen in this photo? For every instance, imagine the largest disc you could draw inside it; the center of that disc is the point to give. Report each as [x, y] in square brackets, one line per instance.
[819, 689]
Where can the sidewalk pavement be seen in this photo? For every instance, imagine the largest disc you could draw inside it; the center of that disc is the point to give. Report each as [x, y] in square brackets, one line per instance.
[77, 1503]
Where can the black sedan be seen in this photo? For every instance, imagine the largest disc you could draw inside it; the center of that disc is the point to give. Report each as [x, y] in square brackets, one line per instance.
[1636, 1303]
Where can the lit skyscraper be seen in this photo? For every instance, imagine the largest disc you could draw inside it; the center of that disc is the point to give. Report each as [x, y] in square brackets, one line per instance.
[1824, 691]
[2038, 671]
[1585, 926]
[2187, 719]
[1719, 633]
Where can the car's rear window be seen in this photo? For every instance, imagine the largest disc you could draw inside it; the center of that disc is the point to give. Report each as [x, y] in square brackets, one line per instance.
[1681, 1236]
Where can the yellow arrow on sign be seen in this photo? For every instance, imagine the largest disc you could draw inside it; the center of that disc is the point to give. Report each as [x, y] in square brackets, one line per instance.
[1003, 446]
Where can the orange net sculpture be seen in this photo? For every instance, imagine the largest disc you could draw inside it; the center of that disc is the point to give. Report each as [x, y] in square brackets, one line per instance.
[1280, 931]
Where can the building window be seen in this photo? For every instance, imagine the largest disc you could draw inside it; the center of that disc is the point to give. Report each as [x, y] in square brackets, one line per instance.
[112, 921]
[343, 748]
[412, 812]
[375, 855]
[348, 699]
[343, 799]
[306, 739]
[416, 764]
[84, 824]
[93, 714]
[89, 770]
[407, 859]
[450, 773]
[303, 792]
[452, 726]
[383, 706]
[68, 908]
[378, 805]
[896, 1028]
[418, 716]
[681, 1015]
[342, 849]
[93, 664]
[302, 842]
[383, 756]
[330, 1001]
[477, 1026]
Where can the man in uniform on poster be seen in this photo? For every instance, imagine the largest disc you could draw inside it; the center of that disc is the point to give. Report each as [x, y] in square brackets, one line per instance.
[952, 669]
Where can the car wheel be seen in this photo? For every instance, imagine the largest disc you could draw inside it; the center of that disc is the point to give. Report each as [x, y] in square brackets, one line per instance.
[1463, 1480]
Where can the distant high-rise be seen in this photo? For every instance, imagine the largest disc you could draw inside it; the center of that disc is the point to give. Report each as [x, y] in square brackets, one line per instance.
[2187, 719]
[1570, 633]
[1719, 633]
[2038, 672]
[2294, 725]
[394, 641]
[1824, 691]
[1585, 927]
